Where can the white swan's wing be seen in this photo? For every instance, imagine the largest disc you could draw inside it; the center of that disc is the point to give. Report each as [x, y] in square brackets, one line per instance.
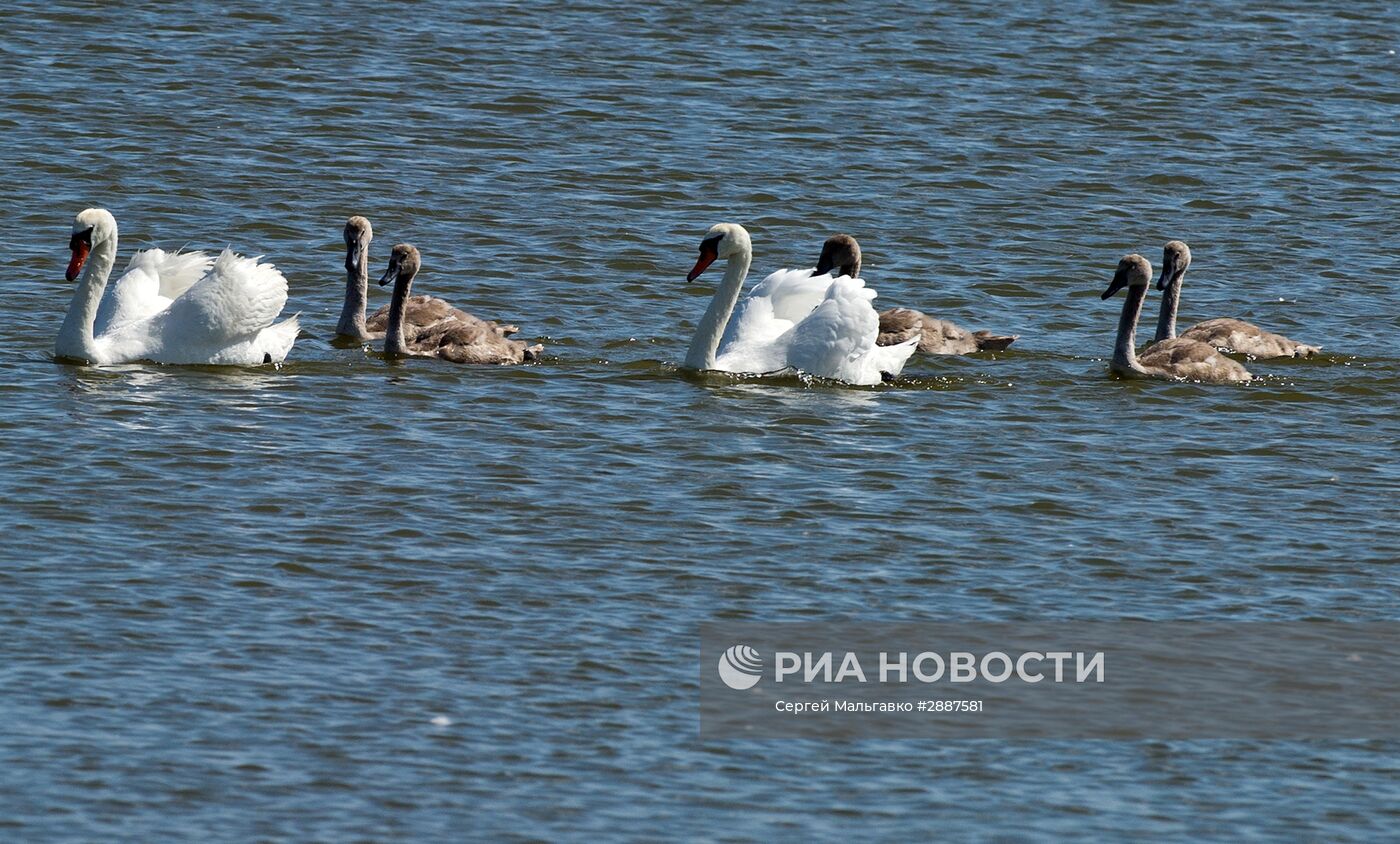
[236, 298]
[838, 338]
[153, 278]
[771, 308]
[175, 272]
[832, 337]
[134, 296]
[794, 293]
[752, 322]
[754, 341]
[270, 345]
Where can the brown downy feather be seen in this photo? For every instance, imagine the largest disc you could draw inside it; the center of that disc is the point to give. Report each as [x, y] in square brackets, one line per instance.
[937, 336]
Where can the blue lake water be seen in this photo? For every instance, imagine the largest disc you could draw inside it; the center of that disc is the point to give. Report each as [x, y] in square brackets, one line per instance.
[350, 599]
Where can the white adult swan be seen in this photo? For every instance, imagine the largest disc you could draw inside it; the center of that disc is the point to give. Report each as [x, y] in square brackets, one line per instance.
[783, 325]
[453, 340]
[841, 253]
[1181, 359]
[1228, 335]
[420, 312]
[225, 317]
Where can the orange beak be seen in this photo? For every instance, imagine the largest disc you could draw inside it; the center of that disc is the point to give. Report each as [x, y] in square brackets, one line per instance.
[709, 251]
[81, 246]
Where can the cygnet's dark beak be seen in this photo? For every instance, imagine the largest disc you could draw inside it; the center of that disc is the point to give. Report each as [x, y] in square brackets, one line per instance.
[389, 274]
[1120, 280]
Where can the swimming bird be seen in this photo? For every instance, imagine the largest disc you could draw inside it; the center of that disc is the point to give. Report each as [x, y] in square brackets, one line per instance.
[1180, 359]
[770, 309]
[936, 336]
[420, 312]
[454, 340]
[798, 319]
[1228, 335]
[178, 309]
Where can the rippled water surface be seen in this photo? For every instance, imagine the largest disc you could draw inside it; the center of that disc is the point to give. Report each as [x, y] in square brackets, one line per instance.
[355, 599]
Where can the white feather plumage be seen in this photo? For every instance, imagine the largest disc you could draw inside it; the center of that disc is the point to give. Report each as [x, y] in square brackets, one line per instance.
[174, 308]
[797, 319]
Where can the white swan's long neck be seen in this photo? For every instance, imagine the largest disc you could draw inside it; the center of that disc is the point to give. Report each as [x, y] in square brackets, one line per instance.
[394, 345]
[352, 315]
[1166, 318]
[701, 355]
[1124, 355]
[75, 338]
